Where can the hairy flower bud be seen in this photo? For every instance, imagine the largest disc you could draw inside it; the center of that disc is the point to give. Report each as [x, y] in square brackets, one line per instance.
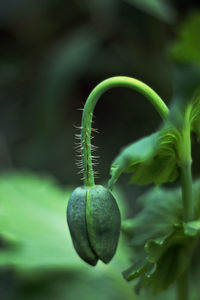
[94, 222]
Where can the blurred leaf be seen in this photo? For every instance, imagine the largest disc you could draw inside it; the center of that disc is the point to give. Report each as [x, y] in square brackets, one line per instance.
[187, 46]
[195, 114]
[167, 258]
[192, 228]
[87, 284]
[161, 209]
[157, 8]
[33, 223]
[38, 245]
[186, 113]
[169, 243]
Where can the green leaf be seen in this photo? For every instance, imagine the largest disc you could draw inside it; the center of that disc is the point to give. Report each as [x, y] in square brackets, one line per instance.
[138, 268]
[33, 228]
[160, 210]
[166, 259]
[171, 256]
[84, 283]
[36, 244]
[192, 228]
[187, 46]
[33, 223]
[194, 107]
[162, 246]
[185, 114]
[151, 159]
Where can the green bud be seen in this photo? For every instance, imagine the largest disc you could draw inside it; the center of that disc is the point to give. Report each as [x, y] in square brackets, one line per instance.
[94, 221]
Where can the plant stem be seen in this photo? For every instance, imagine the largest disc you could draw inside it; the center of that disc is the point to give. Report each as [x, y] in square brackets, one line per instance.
[187, 195]
[119, 81]
[188, 215]
[185, 170]
[182, 289]
[188, 206]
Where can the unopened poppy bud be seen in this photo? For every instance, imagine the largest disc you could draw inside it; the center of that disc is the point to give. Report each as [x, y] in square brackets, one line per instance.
[94, 221]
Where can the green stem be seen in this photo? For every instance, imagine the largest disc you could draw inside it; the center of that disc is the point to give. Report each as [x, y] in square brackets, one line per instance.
[185, 170]
[188, 204]
[182, 290]
[187, 195]
[119, 81]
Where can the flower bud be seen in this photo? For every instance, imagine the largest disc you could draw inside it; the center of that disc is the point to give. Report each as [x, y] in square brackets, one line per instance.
[94, 221]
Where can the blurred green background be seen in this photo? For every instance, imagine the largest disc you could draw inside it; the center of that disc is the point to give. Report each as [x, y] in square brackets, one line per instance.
[52, 54]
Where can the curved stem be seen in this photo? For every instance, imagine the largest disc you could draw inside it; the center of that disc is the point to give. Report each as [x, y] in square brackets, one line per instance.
[119, 81]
